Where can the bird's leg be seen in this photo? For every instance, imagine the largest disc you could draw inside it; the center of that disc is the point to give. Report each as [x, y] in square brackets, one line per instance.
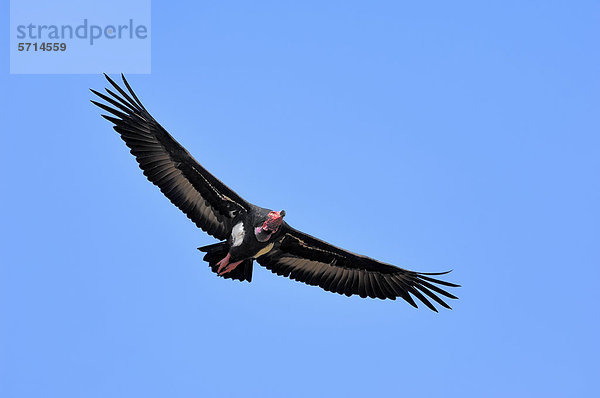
[223, 263]
[230, 267]
[225, 266]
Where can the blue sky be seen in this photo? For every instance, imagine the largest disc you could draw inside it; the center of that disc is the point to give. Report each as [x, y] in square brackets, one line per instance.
[436, 135]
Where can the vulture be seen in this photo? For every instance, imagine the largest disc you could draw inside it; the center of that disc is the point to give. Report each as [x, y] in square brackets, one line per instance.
[247, 232]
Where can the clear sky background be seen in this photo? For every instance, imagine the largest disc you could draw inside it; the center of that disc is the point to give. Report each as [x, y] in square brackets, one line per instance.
[438, 135]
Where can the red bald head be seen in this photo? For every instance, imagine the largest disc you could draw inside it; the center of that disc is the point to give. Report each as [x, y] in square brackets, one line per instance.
[274, 220]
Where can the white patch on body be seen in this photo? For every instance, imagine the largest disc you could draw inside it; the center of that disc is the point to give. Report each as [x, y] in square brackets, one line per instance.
[264, 250]
[237, 234]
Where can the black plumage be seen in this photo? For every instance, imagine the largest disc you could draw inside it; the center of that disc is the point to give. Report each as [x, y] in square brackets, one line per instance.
[250, 232]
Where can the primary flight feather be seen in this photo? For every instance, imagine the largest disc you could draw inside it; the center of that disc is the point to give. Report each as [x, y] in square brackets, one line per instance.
[248, 232]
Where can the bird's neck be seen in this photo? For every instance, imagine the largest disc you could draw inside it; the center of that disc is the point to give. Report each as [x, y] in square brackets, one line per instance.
[261, 234]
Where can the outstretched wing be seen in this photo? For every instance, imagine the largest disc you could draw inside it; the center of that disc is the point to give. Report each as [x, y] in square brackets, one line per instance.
[310, 260]
[209, 203]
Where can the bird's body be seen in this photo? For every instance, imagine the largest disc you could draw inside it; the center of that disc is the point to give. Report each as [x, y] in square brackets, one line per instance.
[245, 241]
[249, 239]
[248, 232]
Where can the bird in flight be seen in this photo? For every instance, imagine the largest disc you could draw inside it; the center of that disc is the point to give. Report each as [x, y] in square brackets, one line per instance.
[247, 232]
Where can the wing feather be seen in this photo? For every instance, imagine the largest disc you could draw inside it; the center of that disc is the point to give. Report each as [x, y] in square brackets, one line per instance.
[310, 260]
[209, 203]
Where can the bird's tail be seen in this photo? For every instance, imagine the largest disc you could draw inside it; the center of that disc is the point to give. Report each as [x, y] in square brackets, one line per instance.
[216, 252]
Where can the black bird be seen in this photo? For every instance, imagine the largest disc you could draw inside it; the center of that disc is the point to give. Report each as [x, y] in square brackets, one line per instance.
[248, 232]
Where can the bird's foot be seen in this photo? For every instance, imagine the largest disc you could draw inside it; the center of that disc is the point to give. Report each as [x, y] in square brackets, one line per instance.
[223, 263]
[225, 266]
[230, 267]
